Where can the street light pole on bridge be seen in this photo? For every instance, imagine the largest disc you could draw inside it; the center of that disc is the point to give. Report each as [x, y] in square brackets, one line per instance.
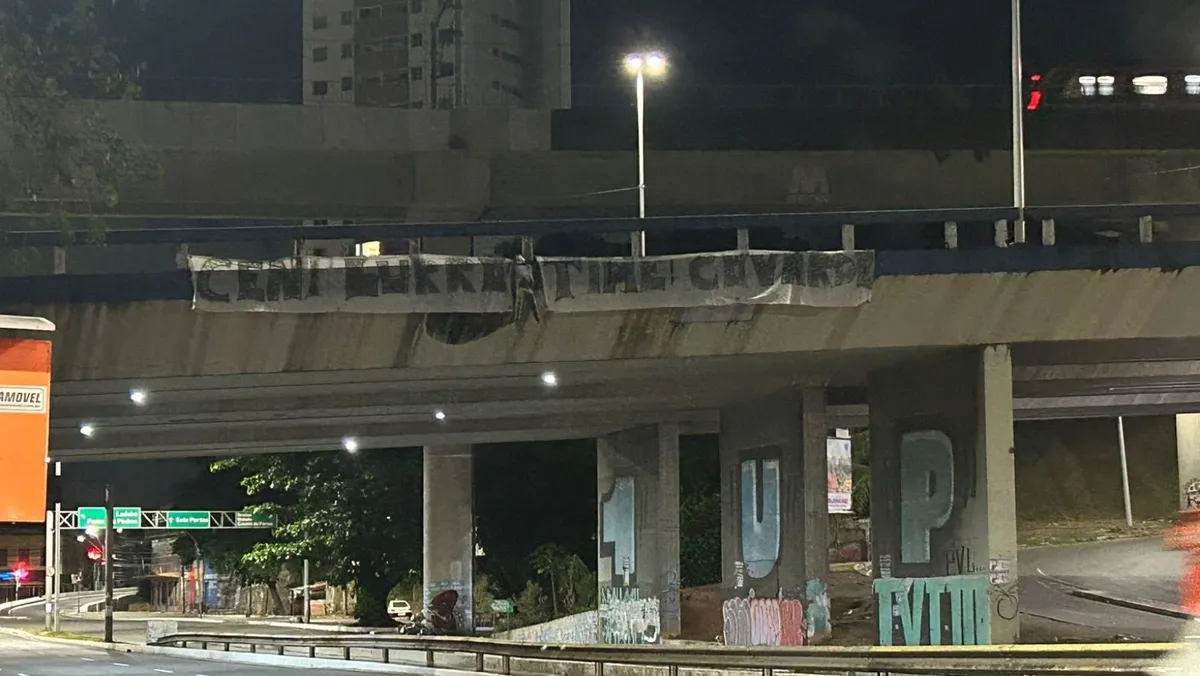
[1018, 125]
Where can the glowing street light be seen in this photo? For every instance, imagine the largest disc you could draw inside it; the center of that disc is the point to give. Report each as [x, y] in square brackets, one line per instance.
[641, 66]
[440, 415]
[350, 444]
[549, 379]
[87, 429]
[138, 397]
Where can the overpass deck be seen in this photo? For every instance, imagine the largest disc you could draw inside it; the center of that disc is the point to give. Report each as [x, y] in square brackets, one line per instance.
[1095, 331]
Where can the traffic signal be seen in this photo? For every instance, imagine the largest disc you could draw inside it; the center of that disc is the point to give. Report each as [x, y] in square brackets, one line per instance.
[94, 553]
[21, 571]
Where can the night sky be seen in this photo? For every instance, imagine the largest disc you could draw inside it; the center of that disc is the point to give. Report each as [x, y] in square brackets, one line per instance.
[191, 48]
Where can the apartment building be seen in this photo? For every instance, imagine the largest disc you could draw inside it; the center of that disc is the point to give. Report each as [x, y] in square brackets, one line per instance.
[438, 53]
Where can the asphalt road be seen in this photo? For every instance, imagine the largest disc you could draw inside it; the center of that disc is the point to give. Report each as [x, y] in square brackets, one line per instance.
[1139, 569]
[25, 657]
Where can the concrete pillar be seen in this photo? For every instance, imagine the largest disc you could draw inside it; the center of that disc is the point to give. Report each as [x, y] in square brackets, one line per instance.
[637, 474]
[449, 530]
[1048, 232]
[1187, 446]
[847, 237]
[1000, 231]
[950, 234]
[943, 499]
[775, 512]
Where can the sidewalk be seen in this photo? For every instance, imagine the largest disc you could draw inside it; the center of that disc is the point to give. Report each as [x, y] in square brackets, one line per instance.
[330, 624]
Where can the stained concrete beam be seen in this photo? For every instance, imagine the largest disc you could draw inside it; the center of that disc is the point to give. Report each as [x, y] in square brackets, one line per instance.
[219, 440]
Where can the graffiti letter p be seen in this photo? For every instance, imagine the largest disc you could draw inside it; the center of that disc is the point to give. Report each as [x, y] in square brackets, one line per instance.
[926, 491]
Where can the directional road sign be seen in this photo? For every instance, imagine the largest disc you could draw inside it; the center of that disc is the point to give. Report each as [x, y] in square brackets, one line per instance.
[123, 517]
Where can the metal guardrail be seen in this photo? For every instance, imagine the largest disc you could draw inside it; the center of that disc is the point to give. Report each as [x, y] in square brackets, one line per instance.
[153, 230]
[1026, 660]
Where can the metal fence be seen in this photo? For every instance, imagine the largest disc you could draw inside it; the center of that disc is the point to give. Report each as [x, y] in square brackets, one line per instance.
[506, 657]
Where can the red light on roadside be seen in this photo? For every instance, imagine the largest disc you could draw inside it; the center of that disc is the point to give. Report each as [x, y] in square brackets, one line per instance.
[1035, 78]
[94, 553]
[21, 571]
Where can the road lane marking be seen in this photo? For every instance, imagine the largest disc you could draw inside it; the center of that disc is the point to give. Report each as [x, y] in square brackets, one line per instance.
[164, 671]
[87, 659]
[120, 664]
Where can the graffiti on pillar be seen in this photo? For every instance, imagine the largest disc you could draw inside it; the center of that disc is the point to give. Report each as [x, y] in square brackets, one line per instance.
[1191, 494]
[627, 618]
[446, 607]
[618, 528]
[816, 612]
[1005, 600]
[767, 621]
[669, 600]
[760, 516]
[926, 491]
[961, 561]
[934, 611]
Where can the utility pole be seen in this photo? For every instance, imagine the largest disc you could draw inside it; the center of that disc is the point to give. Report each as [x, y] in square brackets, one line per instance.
[307, 595]
[49, 597]
[58, 564]
[108, 564]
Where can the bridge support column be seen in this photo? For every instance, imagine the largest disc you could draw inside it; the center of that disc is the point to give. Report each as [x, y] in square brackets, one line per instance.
[637, 475]
[449, 532]
[775, 518]
[943, 500]
[1187, 446]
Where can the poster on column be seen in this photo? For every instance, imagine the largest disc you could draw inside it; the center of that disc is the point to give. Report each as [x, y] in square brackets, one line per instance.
[841, 475]
[25, 428]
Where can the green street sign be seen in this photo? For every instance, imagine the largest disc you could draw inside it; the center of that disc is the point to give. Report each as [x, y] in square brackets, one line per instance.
[254, 520]
[502, 606]
[187, 520]
[123, 517]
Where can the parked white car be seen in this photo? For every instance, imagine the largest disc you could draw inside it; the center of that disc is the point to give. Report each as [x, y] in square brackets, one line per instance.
[401, 610]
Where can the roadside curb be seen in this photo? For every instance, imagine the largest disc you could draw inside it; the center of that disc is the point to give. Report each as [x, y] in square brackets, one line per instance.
[332, 628]
[255, 659]
[20, 633]
[1153, 607]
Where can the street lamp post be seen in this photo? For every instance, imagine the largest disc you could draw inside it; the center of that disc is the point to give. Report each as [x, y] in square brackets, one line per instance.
[1018, 125]
[641, 66]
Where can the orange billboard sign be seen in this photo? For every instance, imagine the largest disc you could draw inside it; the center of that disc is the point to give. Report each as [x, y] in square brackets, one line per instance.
[24, 428]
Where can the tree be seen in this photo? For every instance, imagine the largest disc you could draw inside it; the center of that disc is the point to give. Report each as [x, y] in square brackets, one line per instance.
[531, 604]
[547, 560]
[700, 539]
[860, 496]
[64, 159]
[358, 515]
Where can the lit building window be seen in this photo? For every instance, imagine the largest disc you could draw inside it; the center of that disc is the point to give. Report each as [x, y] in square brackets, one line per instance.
[367, 249]
[1087, 85]
[1106, 85]
[1192, 84]
[1150, 85]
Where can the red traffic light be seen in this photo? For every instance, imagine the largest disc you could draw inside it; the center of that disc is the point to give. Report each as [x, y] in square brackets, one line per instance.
[94, 553]
[21, 571]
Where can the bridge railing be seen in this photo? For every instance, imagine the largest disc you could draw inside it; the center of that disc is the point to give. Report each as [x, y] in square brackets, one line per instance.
[914, 242]
[498, 657]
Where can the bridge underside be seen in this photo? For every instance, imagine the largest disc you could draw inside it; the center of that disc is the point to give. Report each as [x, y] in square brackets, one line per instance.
[389, 408]
[1086, 343]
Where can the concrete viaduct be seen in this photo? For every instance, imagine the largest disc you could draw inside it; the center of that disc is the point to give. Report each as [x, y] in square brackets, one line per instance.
[952, 347]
